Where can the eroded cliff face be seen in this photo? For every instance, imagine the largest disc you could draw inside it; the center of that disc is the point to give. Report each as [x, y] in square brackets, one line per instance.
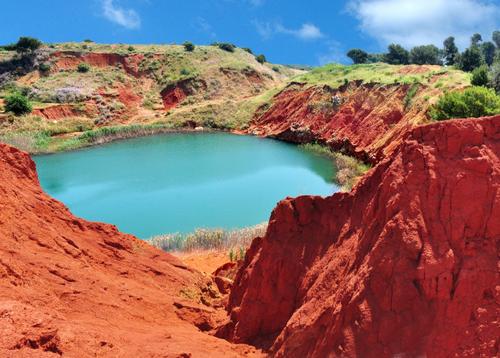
[80, 289]
[404, 265]
[365, 120]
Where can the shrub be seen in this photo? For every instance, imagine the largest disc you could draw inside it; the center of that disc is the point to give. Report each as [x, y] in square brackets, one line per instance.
[261, 59]
[226, 46]
[188, 46]
[131, 48]
[472, 102]
[44, 68]
[88, 40]
[185, 72]
[18, 104]
[27, 44]
[276, 69]
[480, 76]
[83, 67]
[357, 56]
[410, 95]
[246, 49]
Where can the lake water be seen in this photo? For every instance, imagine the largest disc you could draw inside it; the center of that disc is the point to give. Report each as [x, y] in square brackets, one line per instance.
[180, 182]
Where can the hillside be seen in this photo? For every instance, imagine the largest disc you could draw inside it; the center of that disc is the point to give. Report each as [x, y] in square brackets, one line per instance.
[132, 90]
[155, 87]
[363, 110]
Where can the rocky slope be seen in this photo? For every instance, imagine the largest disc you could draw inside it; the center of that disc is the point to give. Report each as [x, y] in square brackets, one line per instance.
[363, 110]
[404, 265]
[79, 289]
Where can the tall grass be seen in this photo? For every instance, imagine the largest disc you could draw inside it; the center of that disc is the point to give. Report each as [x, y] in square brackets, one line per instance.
[349, 169]
[209, 239]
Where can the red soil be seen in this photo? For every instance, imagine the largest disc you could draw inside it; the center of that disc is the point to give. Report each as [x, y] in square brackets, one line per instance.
[80, 289]
[60, 111]
[69, 60]
[404, 265]
[370, 122]
[172, 96]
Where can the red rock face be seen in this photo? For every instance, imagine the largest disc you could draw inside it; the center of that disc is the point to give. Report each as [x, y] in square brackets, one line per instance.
[80, 289]
[368, 121]
[404, 265]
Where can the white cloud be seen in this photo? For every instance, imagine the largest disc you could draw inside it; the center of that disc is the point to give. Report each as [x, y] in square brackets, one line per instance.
[417, 22]
[334, 53]
[306, 32]
[127, 18]
[202, 25]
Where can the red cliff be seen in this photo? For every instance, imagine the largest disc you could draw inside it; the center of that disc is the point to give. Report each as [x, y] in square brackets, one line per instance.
[80, 289]
[404, 265]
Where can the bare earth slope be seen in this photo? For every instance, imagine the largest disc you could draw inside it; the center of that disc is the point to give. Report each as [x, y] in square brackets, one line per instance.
[80, 289]
[404, 265]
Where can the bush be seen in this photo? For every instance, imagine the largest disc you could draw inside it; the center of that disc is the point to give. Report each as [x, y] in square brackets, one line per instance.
[188, 46]
[17, 104]
[83, 67]
[27, 44]
[246, 49]
[185, 72]
[261, 59]
[226, 46]
[44, 68]
[480, 76]
[472, 102]
[495, 77]
[131, 48]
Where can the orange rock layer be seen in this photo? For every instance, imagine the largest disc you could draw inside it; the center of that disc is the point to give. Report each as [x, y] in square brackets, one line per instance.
[404, 265]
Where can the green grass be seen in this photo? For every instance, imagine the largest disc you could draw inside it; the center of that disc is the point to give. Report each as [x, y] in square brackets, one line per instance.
[349, 169]
[335, 75]
[209, 239]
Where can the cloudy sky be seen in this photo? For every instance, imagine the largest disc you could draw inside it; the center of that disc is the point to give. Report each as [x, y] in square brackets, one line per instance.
[287, 31]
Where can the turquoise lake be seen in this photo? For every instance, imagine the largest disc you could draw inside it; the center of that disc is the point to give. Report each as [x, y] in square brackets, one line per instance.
[179, 182]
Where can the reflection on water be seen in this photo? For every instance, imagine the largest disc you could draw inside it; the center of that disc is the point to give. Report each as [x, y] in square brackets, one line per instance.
[179, 182]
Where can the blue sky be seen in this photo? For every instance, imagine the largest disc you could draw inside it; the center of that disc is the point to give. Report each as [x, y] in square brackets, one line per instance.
[293, 32]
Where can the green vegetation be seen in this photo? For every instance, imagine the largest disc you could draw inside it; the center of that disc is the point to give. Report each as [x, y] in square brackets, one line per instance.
[472, 102]
[18, 104]
[334, 75]
[226, 46]
[410, 95]
[349, 169]
[27, 45]
[480, 76]
[188, 46]
[83, 67]
[261, 59]
[210, 239]
[425, 55]
[397, 55]
[44, 68]
[357, 56]
[450, 51]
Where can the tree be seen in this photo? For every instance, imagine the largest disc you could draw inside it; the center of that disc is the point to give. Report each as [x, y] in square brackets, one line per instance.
[375, 57]
[476, 39]
[188, 46]
[470, 59]
[480, 76]
[496, 38]
[226, 46]
[495, 77]
[261, 59]
[27, 44]
[357, 56]
[425, 55]
[397, 55]
[488, 50]
[18, 104]
[450, 51]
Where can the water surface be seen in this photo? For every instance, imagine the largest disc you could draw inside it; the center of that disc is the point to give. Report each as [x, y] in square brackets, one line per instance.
[180, 182]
